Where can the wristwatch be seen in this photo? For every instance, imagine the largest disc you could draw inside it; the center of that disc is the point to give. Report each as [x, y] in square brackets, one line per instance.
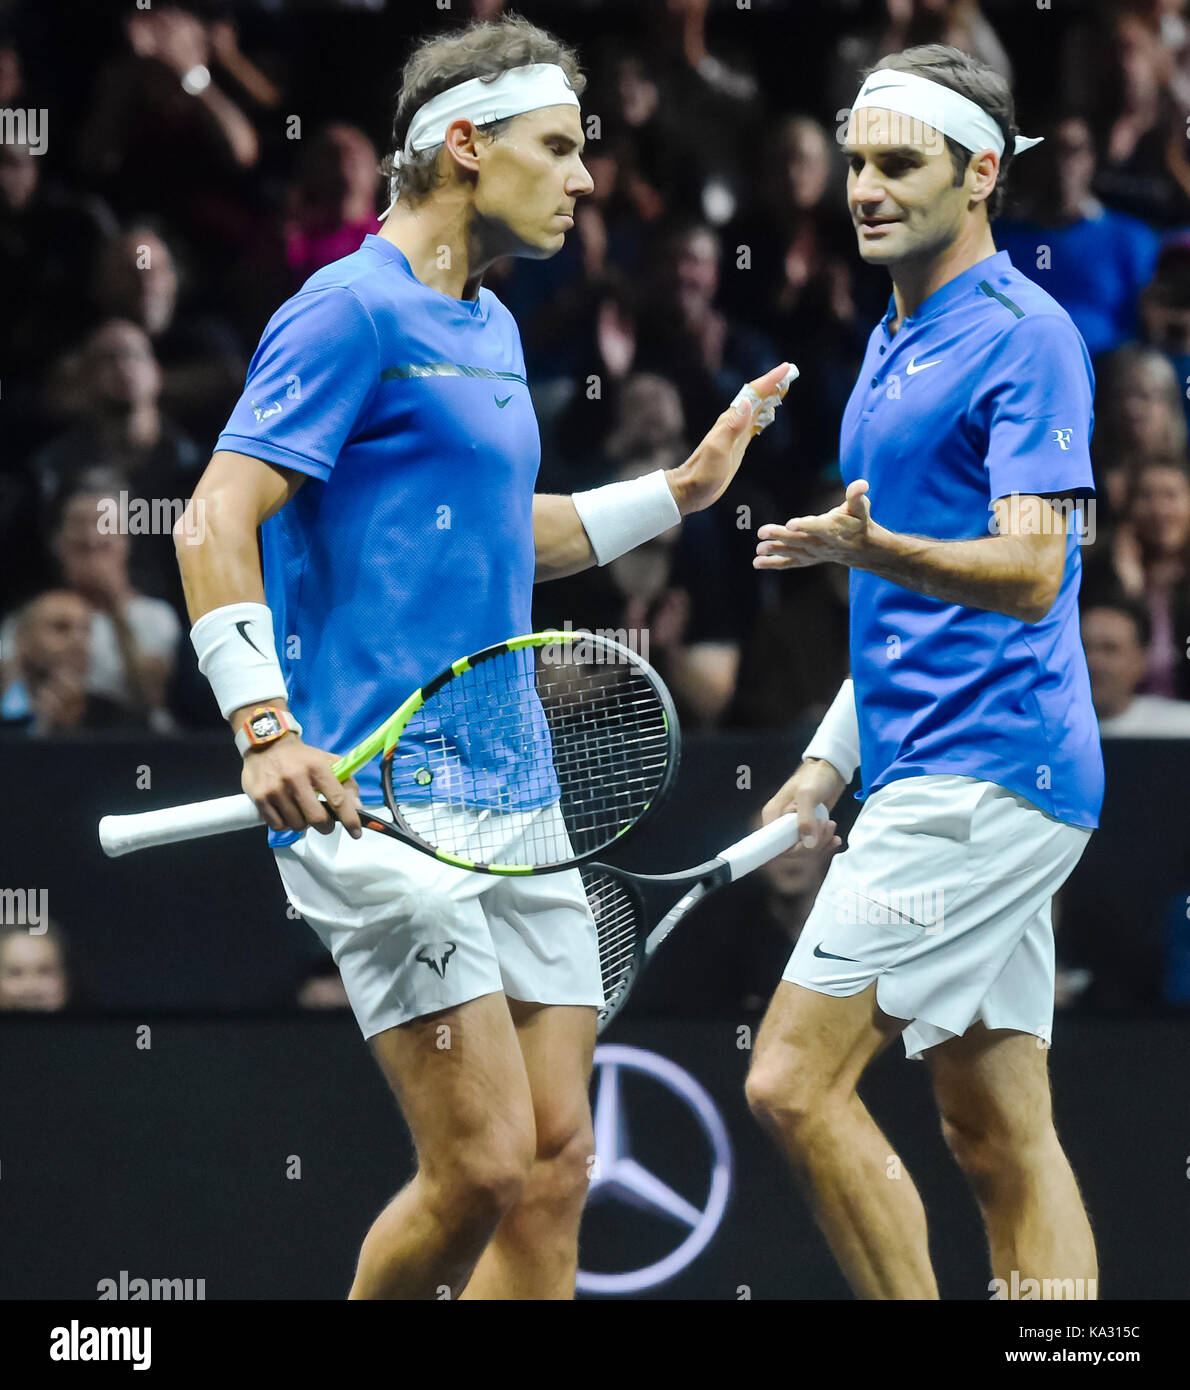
[264, 726]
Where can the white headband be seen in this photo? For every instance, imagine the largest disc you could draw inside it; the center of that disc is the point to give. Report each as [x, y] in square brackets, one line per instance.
[481, 101]
[937, 106]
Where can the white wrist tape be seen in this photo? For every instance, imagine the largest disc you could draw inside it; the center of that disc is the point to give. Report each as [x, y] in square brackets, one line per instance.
[837, 738]
[237, 655]
[621, 516]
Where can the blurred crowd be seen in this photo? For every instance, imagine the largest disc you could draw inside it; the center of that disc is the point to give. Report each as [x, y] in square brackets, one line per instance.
[169, 175]
[175, 199]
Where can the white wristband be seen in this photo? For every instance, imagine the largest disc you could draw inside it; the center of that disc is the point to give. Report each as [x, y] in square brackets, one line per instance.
[837, 738]
[621, 516]
[237, 654]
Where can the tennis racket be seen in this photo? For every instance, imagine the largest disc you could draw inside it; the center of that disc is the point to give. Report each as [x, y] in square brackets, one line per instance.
[532, 755]
[622, 918]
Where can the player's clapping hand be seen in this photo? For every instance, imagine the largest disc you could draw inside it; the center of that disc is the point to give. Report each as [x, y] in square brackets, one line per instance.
[704, 477]
[286, 778]
[843, 534]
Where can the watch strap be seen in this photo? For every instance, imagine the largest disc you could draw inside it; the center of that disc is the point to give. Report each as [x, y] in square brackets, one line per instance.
[287, 724]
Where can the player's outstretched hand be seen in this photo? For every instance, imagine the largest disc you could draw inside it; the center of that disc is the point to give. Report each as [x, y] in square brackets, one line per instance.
[816, 781]
[285, 780]
[843, 534]
[704, 477]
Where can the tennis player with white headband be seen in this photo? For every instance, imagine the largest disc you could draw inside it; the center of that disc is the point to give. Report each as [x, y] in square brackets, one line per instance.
[387, 447]
[968, 710]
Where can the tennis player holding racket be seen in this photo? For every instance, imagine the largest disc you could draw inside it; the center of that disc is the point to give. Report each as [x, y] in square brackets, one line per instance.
[386, 445]
[969, 709]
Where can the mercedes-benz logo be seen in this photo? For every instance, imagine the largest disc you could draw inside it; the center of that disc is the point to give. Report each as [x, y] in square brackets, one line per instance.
[618, 1177]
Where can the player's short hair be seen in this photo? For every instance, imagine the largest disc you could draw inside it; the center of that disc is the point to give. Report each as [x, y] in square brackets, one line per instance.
[1134, 609]
[951, 67]
[483, 50]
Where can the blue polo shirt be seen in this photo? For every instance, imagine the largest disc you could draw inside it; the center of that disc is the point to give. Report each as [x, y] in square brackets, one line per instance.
[411, 542]
[985, 392]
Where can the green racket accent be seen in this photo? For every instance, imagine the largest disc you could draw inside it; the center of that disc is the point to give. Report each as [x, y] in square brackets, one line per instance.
[456, 859]
[381, 740]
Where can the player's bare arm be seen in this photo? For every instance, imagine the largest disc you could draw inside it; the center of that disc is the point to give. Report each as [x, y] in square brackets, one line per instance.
[560, 538]
[234, 496]
[1018, 572]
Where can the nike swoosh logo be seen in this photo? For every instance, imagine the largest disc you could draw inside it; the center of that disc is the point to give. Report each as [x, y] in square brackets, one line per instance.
[240, 629]
[830, 955]
[501, 403]
[884, 87]
[915, 366]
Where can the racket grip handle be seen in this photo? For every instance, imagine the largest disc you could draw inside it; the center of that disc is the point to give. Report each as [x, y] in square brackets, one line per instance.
[764, 844]
[122, 834]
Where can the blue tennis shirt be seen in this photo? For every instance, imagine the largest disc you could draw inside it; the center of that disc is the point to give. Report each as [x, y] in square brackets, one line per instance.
[412, 543]
[985, 392]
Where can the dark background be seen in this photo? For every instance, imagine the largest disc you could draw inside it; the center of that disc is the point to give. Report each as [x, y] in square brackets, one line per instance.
[171, 1161]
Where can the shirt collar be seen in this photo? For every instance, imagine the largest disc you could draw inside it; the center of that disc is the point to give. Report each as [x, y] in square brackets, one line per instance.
[475, 308]
[951, 292]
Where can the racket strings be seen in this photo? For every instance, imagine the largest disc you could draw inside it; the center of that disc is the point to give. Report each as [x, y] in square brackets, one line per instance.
[477, 769]
[618, 926]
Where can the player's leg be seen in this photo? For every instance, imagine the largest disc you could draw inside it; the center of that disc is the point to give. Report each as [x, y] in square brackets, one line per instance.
[459, 1078]
[534, 1251]
[416, 958]
[993, 1094]
[547, 945]
[810, 1053]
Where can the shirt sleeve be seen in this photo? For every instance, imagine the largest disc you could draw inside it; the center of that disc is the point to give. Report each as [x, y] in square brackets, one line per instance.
[309, 383]
[1035, 403]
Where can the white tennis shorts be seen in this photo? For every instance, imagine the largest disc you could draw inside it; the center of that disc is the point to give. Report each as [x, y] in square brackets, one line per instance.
[411, 935]
[942, 898]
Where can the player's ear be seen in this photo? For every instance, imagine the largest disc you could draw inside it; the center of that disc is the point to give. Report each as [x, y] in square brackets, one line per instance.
[982, 173]
[462, 144]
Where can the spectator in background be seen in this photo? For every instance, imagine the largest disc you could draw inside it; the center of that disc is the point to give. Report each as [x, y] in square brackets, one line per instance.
[676, 589]
[795, 655]
[201, 359]
[1117, 70]
[1138, 420]
[710, 110]
[1152, 561]
[695, 649]
[116, 381]
[1165, 315]
[50, 240]
[705, 352]
[33, 975]
[959, 23]
[45, 678]
[331, 205]
[161, 132]
[1117, 636]
[1062, 229]
[788, 270]
[134, 637]
[650, 425]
